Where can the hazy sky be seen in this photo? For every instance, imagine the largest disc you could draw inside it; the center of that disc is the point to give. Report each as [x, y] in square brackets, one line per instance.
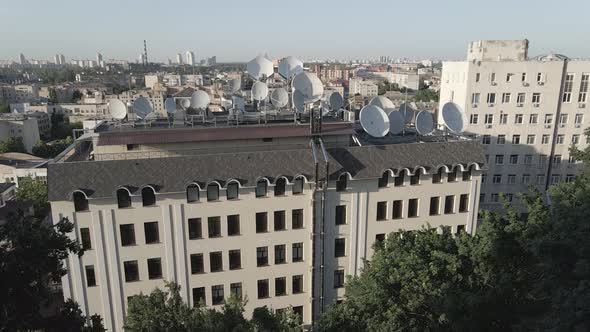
[239, 30]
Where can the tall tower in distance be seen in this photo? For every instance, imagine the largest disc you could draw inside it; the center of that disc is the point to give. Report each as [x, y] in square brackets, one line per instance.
[22, 60]
[179, 58]
[145, 55]
[99, 59]
[190, 58]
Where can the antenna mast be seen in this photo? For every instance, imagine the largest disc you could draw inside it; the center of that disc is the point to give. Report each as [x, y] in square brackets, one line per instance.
[145, 58]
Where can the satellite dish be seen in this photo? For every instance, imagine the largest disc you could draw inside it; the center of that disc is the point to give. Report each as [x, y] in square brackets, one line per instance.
[290, 66]
[309, 85]
[170, 106]
[424, 123]
[383, 102]
[142, 107]
[200, 100]
[117, 109]
[336, 100]
[259, 67]
[374, 121]
[235, 85]
[453, 117]
[298, 101]
[259, 91]
[238, 103]
[185, 103]
[279, 98]
[396, 122]
[408, 112]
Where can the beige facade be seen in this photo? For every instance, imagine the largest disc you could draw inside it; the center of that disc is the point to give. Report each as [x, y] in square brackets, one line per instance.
[363, 88]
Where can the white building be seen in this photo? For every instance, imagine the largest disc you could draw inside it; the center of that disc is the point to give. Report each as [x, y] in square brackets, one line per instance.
[190, 58]
[364, 88]
[18, 125]
[409, 80]
[179, 58]
[526, 111]
[16, 166]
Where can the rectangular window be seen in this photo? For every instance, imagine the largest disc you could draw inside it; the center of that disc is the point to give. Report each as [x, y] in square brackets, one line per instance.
[212, 192]
[579, 118]
[338, 278]
[536, 98]
[235, 259]
[154, 268]
[415, 179]
[497, 178]
[452, 176]
[560, 139]
[523, 78]
[491, 98]
[197, 265]
[413, 208]
[194, 228]
[486, 139]
[548, 118]
[501, 139]
[540, 78]
[449, 204]
[199, 296]
[503, 119]
[575, 139]
[298, 186]
[434, 205]
[542, 160]
[397, 209]
[399, 180]
[567, 88]
[85, 236]
[555, 178]
[340, 247]
[467, 175]
[540, 179]
[381, 211]
[509, 77]
[280, 286]
[217, 294]
[297, 219]
[513, 159]
[297, 252]
[530, 139]
[464, 203]
[520, 98]
[489, 119]
[152, 234]
[233, 225]
[131, 271]
[216, 261]
[499, 159]
[262, 256]
[475, 98]
[583, 96]
[477, 77]
[90, 277]
[563, 119]
[297, 284]
[511, 179]
[279, 221]
[545, 139]
[380, 237]
[518, 118]
[494, 198]
[235, 289]
[473, 119]
[340, 215]
[214, 226]
[493, 77]
[261, 222]
[127, 234]
[383, 181]
[533, 119]
[526, 178]
[280, 254]
[515, 139]
[557, 159]
[263, 289]
[232, 191]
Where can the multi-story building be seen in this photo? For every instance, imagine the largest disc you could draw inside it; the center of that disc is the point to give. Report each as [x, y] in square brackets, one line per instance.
[362, 87]
[14, 167]
[190, 58]
[526, 111]
[410, 80]
[247, 210]
[331, 72]
[156, 98]
[20, 126]
[23, 93]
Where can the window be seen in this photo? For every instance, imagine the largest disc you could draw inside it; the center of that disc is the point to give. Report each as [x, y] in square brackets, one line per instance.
[194, 228]
[533, 119]
[214, 226]
[545, 139]
[506, 98]
[523, 78]
[477, 76]
[520, 98]
[511, 179]
[542, 160]
[540, 179]
[497, 178]
[583, 96]
[342, 183]
[467, 175]
[212, 192]
[383, 180]
[540, 78]
[509, 77]
[484, 178]
[486, 139]
[473, 119]
[263, 289]
[235, 259]
[475, 98]
[413, 208]
[338, 278]
[494, 198]
[380, 237]
[560, 139]
[261, 188]
[434, 205]
[279, 221]
[415, 179]
[503, 119]
[493, 77]
[217, 294]
[530, 139]
[154, 268]
[399, 179]
[555, 178]
[579, 118]
[518, 119]
[570, 177]
[85, 236]
[199, 296]
[499, 159]
[501, 139]
[216, 261]
[567, 88]
[233, 225]
[397, 209]
[261, 222]
[80, 202]
[280, 286]
[297, 219]
[123, 198]
[563, 119]
[152, 235]
[148, 196]
[340, 215]
[297, 252]
[297, 284]
[482, 198]
[513, 159]
[536, 98]
[235, 289]
[557, 159]
[489, 119]
[460, 229]
[575, 139]
[437, 177]
[232, 191]
[280, 185]
[90, 277]
[449, 204]
[127, 234]
[192, 193]
[464, 203]
[526, 178]
[280, 254]
[515, 139]
[262, 256]
[298, 186]
[548, 118]
[452, 176]
[197, 264]
[381, 211]
[491, 99]
[131, 271]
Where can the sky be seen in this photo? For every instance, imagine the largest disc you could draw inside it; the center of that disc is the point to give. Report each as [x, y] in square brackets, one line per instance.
[239, 30]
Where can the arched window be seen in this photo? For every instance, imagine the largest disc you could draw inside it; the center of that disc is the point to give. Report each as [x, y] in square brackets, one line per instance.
[342, 183]
[148, 196]
[261, 187]
[298, 186]
[280, 187]
[399, 179]
[384, 180]
[80, 201]
[233, 191]
[467, 173]
[192, 193]
[123, 198]
[437, 177]
[212, 192]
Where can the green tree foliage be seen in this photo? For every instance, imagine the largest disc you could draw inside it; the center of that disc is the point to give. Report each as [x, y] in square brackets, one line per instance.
[12, 144]
[35, 191]
[44, 150]
[164, 310]
[61, 127]
[385, 86]
[4, 108]
[76, 96]
[71, 319]
[52, 96]
[31, 256]
[426, 95]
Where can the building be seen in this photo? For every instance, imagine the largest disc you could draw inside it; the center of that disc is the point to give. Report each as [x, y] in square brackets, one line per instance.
[99, 60]
[16, 166]
[409, 80]
[179, 58]
[363, 88]
[22, 60]
[526, 111]
[330, 72]
[9, 206]
[239, 210]
[190, 58]
[22, 93]
[156, 98]
[20, 126]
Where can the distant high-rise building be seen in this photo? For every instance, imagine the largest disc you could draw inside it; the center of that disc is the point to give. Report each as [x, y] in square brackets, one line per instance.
[98, 58]
[22, 59]
[179, 58]
[62, 59]
[141, 58]
[190, 58]
[56, 59]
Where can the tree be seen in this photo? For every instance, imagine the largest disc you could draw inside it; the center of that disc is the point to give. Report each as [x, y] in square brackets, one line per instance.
[426, 95]
[52, 96]
[35, 191]
[4, 108]
[13, 144]
[71, 319]
[44, 150]
[76, 96]
[31, 256]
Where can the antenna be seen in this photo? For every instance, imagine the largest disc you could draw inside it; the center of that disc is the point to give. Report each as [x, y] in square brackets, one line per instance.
[336, 101]
[200, 100]
[235, 85]
[408, 112]
[290, 66]
[279, 98]
[453, 117]
[396, 122]
[374, 121]
[259, 67]
[298, 101]
[142, 107]
[424, 123]
[259, 91]
[309, 85]
[170, 106]
[383, 102]
[145, 58]
[117, 109]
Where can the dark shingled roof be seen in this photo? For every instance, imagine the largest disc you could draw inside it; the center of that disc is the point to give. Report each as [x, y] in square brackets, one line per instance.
[102, 178]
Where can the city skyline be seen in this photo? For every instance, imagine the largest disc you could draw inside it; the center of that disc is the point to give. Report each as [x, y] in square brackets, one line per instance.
[239, 31]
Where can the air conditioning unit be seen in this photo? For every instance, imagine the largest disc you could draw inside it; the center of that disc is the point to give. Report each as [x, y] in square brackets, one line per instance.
[519, 105]
[547, 126]
[488, 126]
[581, 105]
[536, 105]
[474, 105]
[491, 104]
[525, 84]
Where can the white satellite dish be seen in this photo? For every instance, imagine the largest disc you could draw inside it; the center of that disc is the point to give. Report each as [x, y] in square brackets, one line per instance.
[279, 98]
[235, 85]
[336, 100]
[185, 103]
[142, 107]
[298, 101]
[117, 109]
[259, 91]
[424, 123]
[453, 117]
[408, 112]
[259, 67]
[383, 102]
[374, 121]
[309, 85]
[290, 66]
[200, 100]
[396, 122]
[238, 103]
[170, 106]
